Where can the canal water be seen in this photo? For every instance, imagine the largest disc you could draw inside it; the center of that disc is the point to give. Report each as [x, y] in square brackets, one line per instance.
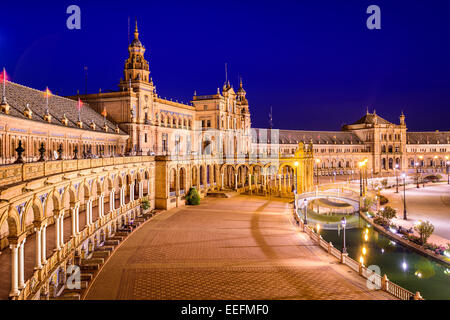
[402, 266]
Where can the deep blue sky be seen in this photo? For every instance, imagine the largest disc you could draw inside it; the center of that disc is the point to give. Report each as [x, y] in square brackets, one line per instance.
[314, 62]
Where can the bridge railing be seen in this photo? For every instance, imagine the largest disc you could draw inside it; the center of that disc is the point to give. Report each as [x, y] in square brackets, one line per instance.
[374, 280]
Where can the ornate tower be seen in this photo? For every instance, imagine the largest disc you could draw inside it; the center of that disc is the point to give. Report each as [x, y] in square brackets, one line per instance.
[136, 67]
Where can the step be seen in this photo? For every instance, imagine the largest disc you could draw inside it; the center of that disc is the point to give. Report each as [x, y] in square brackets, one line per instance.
[101, 254]
[91, 261]
[89, 267]
[83, 285]
[105, 248]
[112, 242]
[86, 276]
[68, 296]
[120, 238]
[121, 234]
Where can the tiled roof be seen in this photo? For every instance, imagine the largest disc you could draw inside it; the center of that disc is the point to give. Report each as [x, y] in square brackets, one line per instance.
[435, 137]
[369, 118]
[317, 137]
[18, 96]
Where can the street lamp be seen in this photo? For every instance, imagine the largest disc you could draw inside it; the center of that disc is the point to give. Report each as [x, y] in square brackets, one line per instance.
[317, 171]
[343, 223]
[305, 202]
[404, 196]
[360, 164]
[295, 174]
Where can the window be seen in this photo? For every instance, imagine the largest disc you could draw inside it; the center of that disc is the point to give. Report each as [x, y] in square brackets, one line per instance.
[164, 142]
[145, 137]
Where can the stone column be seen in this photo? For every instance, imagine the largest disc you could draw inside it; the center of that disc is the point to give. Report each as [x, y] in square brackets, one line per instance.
[236, 181]
[14, 270]
[222, 180]
[38, 248]
[148, 186]
[141, 189]
[58, 232]
[122, 196]
[44, 244]
[21, 265]
[61, 229]
[131, 192]
[101, 205]
[250, 182]
[111, 200]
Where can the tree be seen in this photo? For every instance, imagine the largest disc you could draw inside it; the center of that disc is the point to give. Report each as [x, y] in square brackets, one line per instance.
[388, 213]
[425, 230]
[145, 204]
[193, 198]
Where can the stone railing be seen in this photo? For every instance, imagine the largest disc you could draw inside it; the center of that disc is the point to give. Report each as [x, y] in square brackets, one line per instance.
[41, 277]
[374, 280]
[14, 173]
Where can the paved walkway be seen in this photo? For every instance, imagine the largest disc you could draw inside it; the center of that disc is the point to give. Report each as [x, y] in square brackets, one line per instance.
[238, 248]
[431, 203]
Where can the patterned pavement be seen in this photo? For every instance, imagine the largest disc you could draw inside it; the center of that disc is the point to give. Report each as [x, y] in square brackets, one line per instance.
[237, 248]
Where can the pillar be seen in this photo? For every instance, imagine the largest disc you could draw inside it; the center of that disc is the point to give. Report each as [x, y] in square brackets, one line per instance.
[21, 265]
[236, 181]
[148, 186]
[44, 245]
[111, 200]
[38, 248]
[122, 196]
[101, 205]
[141, 189]
[14, 270]
[61, 229]
[131, 192]
[250, 182]
[222, 180]
[58, 232]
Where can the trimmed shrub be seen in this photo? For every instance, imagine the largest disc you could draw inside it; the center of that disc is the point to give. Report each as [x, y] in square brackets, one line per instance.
[193, 198]
[145, 204]
[383, 200]
[425, 230]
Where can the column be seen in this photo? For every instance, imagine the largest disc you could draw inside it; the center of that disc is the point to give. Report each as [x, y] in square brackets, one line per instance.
[101, 205]
[14, 270]
[77, 216]
[44, 245]
[61, 229]
[21, 265]
[148, 186]
[111, 200]
[222, 180]
[74, 221]
[141, 189]
[57, 233]
[122, 196]
[38, 248]
[236, 181]
[131, 192]
[250, 182]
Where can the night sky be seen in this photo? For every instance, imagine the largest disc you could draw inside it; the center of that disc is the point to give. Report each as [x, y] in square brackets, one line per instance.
[314, 62]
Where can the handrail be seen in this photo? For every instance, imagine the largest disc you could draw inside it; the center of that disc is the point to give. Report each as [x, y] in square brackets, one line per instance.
[378, 282]
[34, 284]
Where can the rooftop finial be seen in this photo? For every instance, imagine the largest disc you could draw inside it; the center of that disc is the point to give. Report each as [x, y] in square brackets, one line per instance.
[367, 110]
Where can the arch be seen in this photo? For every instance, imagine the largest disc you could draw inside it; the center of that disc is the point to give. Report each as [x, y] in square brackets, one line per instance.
[13, 219]
[38, 213]
[69, 196]
[182, 179]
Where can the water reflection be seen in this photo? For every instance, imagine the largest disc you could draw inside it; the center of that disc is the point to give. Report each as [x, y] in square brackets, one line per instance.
[402, 266]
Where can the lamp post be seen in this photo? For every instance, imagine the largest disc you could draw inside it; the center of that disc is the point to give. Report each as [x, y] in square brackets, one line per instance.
[396, 178]
[306, 209]
[343, 223]
[404, 196]
[317, 173]
[295, 176]
[447, 163]
[360, 164]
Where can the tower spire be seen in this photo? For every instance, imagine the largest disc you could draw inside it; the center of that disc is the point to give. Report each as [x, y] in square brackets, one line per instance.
[136, 31]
